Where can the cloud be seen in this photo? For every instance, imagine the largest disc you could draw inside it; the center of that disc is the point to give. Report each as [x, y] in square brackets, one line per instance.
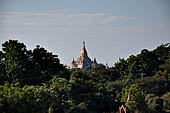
[60, 18]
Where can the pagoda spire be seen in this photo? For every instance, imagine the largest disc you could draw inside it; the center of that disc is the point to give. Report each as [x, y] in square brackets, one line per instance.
[73, 61]
[83, 44]
[83, 51]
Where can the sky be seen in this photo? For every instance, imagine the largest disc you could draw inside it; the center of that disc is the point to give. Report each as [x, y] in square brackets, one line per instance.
[110, 28]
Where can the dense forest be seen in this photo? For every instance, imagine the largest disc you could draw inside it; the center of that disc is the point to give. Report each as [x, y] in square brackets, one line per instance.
[34, 81]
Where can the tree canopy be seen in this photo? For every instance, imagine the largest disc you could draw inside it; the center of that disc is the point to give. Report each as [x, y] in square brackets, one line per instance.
[34, 81]
[25, 66]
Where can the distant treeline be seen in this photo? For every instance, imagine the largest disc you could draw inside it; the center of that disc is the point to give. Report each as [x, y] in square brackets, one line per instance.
[147, 63]
[34, 81]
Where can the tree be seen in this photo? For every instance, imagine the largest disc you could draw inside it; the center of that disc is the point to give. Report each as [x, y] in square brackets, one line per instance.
[166, 98]
[162, 53]
[104, 75]
[17, 64]
[136, 68]
[45, 63]
[62, 87]
[149, 62]
[2, 77]
[155, 103]
[122, 67]
[79, 83]
[16, 60]
[136, 98]
[89, 96]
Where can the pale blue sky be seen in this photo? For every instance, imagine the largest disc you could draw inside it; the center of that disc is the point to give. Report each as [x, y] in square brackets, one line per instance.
[109, 27]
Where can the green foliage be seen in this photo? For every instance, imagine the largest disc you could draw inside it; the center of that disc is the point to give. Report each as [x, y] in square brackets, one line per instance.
[166, 104]
[2, 68]
[136, 97]
[115, 88]
[45, 63]
[162, 52]
[146, 63]
[158, 104]
[14, 99]
[15, 60]
[92, 95]
[156, 85]
[158, 73]
[165, 69]
[36, 82]
[149, 62]
[82, 95]
[90, 69]
[77, 76]
[17, 64]
[122, 66]
[154, 103]
[104, 75]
